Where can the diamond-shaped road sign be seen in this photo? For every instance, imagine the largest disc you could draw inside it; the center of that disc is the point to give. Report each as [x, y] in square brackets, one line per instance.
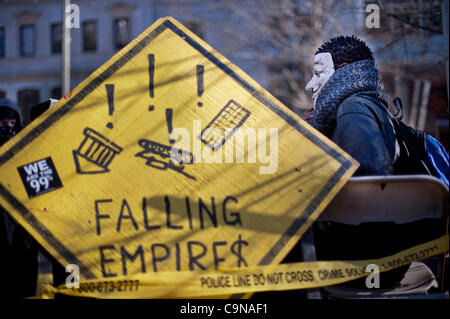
[140, 167]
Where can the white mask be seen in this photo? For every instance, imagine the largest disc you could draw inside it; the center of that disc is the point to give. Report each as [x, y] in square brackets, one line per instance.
[323, 70]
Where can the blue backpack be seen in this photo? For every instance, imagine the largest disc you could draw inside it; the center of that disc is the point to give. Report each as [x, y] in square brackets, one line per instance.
[438, 158]
[420, 153]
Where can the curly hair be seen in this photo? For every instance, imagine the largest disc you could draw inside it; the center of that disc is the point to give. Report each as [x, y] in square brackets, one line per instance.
[345, 49]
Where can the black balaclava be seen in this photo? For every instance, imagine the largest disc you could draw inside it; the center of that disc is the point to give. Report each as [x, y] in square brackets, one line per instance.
[6, 131]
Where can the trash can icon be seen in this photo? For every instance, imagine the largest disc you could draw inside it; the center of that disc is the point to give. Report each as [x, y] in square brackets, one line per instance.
[95, 153]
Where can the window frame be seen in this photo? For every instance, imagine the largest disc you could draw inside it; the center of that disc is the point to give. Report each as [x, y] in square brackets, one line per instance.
[115, 32]
[21, 40]
[52, 47]
[84, 35]
[3, 39]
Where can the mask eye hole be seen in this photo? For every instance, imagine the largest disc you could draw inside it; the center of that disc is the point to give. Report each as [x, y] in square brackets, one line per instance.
[8, 122]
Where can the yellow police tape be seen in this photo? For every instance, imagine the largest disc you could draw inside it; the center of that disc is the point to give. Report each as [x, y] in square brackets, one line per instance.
[216, 283]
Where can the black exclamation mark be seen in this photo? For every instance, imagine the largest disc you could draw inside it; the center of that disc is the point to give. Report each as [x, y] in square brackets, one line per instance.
[200, 86]
[169, 113]
[151, 74]
[110, 94]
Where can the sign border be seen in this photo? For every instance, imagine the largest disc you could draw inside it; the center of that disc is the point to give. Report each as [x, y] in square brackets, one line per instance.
[98, 80]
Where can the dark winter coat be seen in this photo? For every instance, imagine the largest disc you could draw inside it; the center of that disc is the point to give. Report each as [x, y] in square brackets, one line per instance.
[365, 132]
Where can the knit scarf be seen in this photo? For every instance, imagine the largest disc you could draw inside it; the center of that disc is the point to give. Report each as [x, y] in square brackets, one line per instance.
[360, 77]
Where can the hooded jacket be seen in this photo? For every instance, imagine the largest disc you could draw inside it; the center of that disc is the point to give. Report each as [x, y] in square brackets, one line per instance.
[365, 132]
[18, 250]
[5, 102]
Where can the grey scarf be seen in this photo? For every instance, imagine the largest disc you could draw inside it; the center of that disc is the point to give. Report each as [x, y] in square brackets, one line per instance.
[360, 77]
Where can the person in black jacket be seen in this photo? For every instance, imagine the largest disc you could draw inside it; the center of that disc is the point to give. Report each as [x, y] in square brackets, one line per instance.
[18, 250]
[349, 98]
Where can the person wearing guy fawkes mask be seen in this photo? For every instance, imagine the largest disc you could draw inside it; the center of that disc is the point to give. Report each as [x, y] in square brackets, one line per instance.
[18, 250]
[348, 97]
[346, 87]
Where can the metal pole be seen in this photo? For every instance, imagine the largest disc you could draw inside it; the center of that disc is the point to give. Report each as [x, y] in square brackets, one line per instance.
[445, 27]
[423, 107]
[415, 103]
[65, 88]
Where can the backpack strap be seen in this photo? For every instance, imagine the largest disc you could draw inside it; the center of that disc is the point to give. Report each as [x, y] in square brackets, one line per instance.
[380, 125]
[406, 145]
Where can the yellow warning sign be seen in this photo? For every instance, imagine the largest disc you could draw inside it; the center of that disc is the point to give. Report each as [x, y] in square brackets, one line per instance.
[168, 158]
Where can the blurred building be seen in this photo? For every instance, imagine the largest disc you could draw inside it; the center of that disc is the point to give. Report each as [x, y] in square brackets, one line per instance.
[30, 43]
[410, 50]
[273, 41]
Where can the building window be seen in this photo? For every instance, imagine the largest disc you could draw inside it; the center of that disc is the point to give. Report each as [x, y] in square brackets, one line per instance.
[27, 99]
[2, 94]
[2, 41]
[121, 32]
[89, 36]
[27, 38]
[56, 34]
